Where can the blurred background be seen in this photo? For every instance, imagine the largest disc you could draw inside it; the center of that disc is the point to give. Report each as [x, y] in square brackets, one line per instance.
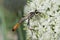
[10, 12]
[13, 10]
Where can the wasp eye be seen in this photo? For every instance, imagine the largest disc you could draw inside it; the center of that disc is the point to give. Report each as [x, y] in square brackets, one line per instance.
[36, 11]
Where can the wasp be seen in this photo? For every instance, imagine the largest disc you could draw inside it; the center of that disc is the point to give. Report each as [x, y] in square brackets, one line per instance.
[29, 16]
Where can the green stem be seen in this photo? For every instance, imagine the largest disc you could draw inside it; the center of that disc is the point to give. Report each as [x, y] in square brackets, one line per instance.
[3, 26]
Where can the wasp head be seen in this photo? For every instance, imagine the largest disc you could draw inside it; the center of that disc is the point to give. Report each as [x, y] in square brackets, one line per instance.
[36, 11]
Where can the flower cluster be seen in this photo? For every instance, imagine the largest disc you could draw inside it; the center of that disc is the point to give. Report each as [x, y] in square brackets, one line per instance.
[46, 26]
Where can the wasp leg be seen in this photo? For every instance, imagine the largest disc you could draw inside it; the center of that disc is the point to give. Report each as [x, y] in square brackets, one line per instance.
[29, 27]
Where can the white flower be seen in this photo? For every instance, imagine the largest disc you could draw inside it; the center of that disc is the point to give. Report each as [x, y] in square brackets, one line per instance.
[47, 24]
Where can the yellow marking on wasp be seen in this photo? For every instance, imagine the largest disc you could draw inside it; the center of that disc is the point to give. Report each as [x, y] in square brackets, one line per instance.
[15, 27]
